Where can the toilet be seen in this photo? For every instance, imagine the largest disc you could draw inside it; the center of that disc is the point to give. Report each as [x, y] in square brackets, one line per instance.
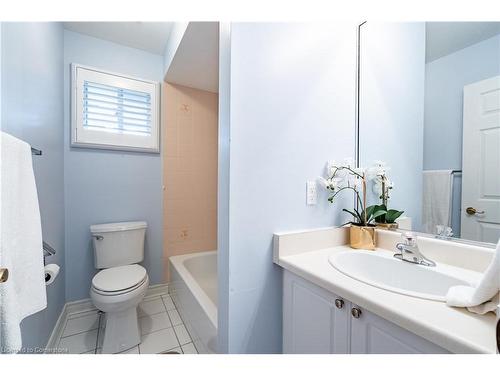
[121, 283]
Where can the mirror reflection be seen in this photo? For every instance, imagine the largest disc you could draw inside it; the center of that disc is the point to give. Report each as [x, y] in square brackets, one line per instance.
[429, 114]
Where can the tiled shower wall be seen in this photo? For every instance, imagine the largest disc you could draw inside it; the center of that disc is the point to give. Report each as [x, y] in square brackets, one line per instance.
[190, 171]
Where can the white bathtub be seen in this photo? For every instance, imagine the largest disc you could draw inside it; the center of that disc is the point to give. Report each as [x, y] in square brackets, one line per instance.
[193, 286]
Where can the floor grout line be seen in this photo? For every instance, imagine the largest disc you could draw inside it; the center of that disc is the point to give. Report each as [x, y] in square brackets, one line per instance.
[78, 333]
[171, 323]
[98, 332]
[176, 309]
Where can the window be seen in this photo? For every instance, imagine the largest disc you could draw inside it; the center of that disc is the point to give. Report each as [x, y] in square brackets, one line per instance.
[114, 111]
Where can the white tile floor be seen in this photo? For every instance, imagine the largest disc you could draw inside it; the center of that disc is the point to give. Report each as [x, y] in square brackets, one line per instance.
[161, 327]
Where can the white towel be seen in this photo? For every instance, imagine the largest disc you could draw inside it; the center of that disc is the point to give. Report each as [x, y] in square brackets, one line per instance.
[437, 198]
[21, 251]
[483, 297]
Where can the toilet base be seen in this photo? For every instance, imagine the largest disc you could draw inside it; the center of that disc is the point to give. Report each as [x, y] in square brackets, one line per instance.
[121, 331]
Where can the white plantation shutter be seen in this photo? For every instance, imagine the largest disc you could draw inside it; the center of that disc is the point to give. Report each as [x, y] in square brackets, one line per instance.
[114, 111]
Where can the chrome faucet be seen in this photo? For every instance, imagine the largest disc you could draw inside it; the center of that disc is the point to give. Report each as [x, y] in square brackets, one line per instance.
[409, 251]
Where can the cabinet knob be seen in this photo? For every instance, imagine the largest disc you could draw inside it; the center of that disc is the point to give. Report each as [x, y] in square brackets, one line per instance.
[339, 303]
[355, 312]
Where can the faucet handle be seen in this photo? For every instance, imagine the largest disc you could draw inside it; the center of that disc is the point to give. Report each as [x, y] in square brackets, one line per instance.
[409, 238]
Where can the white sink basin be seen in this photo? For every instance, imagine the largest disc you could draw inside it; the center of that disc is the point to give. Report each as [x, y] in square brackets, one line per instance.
[380, 269]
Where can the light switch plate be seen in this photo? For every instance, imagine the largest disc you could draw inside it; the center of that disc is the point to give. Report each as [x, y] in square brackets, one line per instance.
[311, 193]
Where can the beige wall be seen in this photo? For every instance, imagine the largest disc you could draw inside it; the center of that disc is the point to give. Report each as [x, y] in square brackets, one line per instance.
[190, 171]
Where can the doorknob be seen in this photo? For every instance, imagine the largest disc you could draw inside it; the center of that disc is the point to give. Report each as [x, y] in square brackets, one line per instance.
[473, 211]
[339, 303]
[4, 275]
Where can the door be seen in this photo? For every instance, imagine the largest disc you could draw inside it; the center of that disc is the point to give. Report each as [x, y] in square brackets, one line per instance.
[480, 218]
[314, 320]
[370, 334]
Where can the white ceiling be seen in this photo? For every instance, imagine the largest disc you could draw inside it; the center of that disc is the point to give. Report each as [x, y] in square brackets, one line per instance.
[443, 38]
[196, 62]
[148, 36]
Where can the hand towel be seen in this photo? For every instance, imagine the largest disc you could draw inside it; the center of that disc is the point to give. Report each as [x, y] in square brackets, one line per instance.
[21, 251]
[437, 198]
[484, 293]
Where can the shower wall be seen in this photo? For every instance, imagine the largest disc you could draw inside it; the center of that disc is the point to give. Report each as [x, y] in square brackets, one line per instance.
[189, 143]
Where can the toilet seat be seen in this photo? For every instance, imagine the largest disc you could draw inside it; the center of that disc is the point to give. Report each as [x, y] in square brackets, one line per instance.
[119, 280]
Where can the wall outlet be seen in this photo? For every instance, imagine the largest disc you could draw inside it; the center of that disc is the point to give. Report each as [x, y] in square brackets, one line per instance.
[311, 193]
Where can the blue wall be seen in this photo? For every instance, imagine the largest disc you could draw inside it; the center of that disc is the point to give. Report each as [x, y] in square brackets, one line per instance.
[392, 108]
[291, 110]
[107, 186]
[32, 110]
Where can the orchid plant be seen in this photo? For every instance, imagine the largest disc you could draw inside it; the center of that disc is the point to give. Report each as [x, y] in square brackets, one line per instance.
[381, 183]
[344, 176]
[382, 186]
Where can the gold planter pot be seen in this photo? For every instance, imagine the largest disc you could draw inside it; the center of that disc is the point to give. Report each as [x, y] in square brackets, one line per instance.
[390, 226]
[362, 237]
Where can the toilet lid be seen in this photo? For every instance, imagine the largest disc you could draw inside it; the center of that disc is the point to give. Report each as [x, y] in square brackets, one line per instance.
[119, 278]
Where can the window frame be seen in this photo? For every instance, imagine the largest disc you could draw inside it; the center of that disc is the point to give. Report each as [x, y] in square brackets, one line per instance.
[87, 138]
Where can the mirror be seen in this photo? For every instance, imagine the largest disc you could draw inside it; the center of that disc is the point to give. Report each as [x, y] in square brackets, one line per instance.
[429, 107]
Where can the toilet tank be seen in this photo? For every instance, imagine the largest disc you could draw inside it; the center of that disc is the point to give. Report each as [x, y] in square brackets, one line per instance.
[118, 244]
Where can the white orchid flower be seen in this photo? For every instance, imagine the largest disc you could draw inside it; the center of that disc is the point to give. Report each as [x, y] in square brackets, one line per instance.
[371, 173]
[377, 187]
[323, 182]
[330, 183]
[378, 170]
[335, 183]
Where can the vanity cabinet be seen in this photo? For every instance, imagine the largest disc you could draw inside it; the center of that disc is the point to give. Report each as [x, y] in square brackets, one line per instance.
[314, 320]
[317, 321]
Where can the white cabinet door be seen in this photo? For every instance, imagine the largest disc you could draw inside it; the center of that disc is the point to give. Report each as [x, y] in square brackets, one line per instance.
[312, 324]
[370, 334]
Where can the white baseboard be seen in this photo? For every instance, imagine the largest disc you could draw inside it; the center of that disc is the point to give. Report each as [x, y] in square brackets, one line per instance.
[57, 330]
[86, 305]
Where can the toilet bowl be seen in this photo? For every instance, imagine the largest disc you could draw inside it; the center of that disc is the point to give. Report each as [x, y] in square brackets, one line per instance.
[117, 291]
[121, 284]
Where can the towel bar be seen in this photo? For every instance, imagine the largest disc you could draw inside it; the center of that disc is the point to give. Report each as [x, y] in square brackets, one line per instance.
[48, 250]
